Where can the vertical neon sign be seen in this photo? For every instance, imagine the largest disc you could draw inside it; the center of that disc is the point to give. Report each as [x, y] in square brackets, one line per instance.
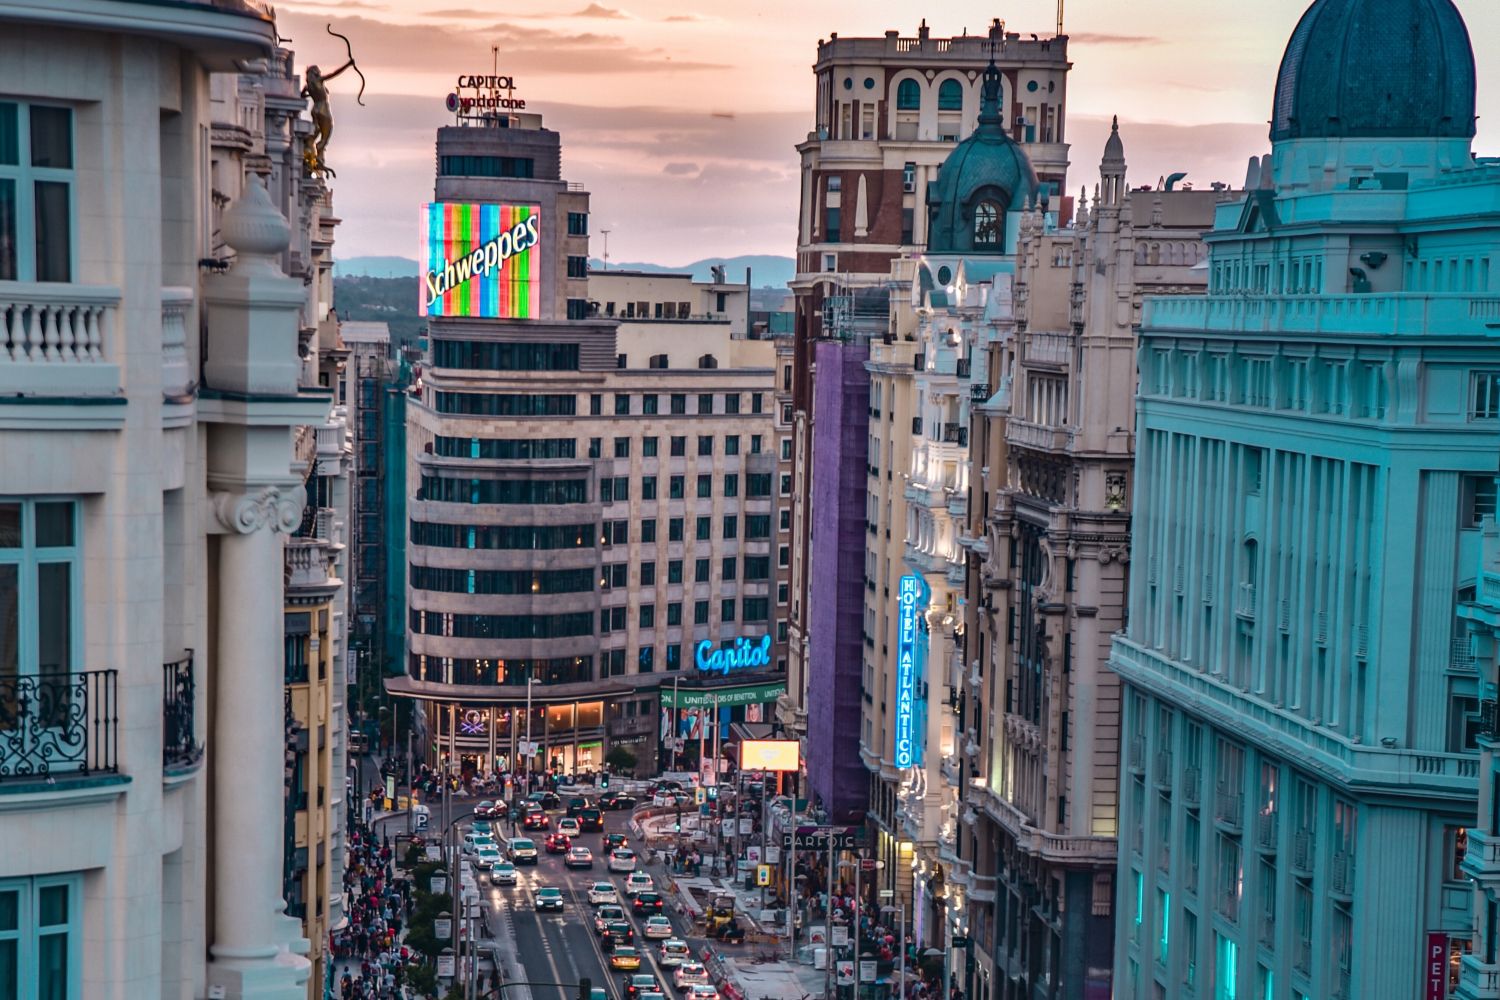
[912, 597]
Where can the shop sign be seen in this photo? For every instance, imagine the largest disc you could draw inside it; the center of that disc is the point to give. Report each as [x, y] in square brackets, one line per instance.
[480, 260]
[743, 655]
[480, 92]
[1435, 967]
[866, 970]
[723, 697]
[846, 973]
[910, 602]
[445, 966]
[442, 928]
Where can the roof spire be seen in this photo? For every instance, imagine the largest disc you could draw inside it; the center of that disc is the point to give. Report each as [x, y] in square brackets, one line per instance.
[989, 102]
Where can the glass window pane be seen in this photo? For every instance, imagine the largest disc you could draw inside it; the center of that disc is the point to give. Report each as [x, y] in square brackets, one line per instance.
[51, 137]
[52, 967]
[7, 230]
[10, 611]
[8, 973]
[54, 620]
[10, 148]
[10, 911]
[54, 232]
[54, 525]
[54, 905]
[10, 526]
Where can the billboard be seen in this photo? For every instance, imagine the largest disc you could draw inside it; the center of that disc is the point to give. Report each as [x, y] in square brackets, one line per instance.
[913, 595]
[769, 755]
[481, 260]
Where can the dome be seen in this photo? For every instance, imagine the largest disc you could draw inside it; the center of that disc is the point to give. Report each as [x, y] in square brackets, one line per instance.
[1376, 69]
[984, 177]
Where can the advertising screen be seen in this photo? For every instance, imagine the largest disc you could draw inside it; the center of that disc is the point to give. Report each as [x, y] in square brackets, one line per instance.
[481, 260]
[768, 755]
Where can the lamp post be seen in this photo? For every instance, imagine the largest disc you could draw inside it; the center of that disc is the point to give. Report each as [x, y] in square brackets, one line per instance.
[526, 757]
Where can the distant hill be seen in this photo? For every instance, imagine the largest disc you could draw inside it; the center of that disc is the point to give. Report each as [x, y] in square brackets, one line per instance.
[389, 300]
[766, 270]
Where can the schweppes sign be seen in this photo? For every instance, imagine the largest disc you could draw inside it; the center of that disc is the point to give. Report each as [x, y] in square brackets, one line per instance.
[480, 260]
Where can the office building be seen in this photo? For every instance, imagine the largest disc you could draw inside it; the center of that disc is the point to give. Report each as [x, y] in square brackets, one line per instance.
[150, 483]
[1316, 451]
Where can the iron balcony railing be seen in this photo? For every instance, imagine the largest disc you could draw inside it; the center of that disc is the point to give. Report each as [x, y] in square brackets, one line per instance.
[179, 743]
[58, 724]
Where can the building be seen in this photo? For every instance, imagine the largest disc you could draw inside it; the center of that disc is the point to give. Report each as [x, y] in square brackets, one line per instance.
[152, 383]
[590, 473]
[888, 112]
[1316, 443]
[371, 371]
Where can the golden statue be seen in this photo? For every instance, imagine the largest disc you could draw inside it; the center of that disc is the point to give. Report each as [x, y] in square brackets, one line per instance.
[316, 88]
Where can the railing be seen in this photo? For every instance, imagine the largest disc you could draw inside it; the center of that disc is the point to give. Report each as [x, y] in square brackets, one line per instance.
[1389, 314]
[1042, 437]
[1244, 600]
[180, 746]
[1341, 874]
[1302, 852]
[1048, 348]
[979, 392]
[59, 724]
[1137, 757]
[1164, 769]
[1228, 809]
[1265, 831]
[1190, 786]
[54, 339]
[176, 378]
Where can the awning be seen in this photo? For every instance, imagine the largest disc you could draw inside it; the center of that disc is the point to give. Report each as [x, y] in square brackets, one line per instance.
[724, 697]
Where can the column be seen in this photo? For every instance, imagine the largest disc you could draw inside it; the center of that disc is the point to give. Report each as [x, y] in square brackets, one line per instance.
[253, 944]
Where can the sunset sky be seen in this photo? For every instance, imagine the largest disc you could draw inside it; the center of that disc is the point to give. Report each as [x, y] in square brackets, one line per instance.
[680, 118]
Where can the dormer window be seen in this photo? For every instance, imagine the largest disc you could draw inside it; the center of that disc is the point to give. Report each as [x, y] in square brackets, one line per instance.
[986, 224]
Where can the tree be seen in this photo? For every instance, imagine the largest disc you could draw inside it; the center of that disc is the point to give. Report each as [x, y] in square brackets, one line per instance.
[619, 759]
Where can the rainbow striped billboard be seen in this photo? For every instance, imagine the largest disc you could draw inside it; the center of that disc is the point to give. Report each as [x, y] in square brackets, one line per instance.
[481, 260]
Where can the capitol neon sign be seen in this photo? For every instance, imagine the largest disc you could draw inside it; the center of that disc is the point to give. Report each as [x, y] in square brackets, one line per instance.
[743, 655]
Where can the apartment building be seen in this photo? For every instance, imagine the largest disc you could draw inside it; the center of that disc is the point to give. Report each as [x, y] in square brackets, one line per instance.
[888, 111]
[591, 497]
[1317, 440]
[149, 408]
[369, 373]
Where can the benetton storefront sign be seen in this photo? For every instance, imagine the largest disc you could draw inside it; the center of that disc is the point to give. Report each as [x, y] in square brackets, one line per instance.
[724, 697]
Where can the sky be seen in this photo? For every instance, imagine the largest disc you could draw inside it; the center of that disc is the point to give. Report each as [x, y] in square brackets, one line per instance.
[681, 118]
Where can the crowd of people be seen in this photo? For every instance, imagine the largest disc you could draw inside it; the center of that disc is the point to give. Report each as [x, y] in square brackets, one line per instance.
[369, 948]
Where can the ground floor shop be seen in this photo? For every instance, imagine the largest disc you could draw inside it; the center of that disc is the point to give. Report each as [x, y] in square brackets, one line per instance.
[695, 716]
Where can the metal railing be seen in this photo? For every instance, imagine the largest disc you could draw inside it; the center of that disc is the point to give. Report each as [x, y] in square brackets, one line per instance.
[58, 724]
[179, 743]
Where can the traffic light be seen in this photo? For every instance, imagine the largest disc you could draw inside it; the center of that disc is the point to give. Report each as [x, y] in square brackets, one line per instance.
[677, 826]
[604, 780]
[585, 988]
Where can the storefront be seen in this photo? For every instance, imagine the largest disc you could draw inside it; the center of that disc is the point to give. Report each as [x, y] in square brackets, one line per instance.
[692, 710]
[483, 738]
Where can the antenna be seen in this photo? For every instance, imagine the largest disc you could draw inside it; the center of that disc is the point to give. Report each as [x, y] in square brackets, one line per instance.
[1059, 17]
[606, 248]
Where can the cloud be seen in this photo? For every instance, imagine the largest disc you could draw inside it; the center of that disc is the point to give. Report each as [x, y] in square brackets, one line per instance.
[680, 169]
[596, 10]
[678, 18]
[1100, 38]
[1215, 152]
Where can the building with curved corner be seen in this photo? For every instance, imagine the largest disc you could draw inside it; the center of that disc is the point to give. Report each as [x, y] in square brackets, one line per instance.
[1316, 452]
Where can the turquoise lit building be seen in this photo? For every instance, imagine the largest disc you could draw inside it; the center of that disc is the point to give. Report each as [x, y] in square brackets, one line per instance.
[1318, 442]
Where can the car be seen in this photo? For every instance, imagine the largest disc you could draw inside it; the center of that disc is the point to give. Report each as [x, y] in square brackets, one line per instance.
[482, 827]
[622, 860]
[614, 841]
[576, 805]
[651, 995]
[484, 809]
[558, 843]
[579, 857]
[591, 820]
[607, 914]
[674, 952]
[625, 957]
[487, 858]
[568, 827]
[616, 934]
[639, 984]
[603, 892]
[598, 993]
[658, 928]
[522, 851]
[618, 801]
[700, 991]
[639, 882]
[473, 841]
[647, 902]
[689, 973]
[503, 873]
[549, 898]
[535, 819]
[550, 801]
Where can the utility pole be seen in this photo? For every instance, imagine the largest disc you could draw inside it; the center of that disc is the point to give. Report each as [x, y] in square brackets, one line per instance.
[828, 959]
[526, 757]
[676, 710]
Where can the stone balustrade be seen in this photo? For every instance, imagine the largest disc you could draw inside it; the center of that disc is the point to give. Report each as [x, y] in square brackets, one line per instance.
[58, 340]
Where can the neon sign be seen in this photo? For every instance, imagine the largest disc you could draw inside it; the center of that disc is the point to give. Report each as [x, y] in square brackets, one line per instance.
[481, 260]
[743, 655]
[912, 597]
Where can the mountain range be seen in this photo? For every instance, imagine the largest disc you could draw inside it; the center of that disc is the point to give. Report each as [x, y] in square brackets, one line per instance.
[766, 270]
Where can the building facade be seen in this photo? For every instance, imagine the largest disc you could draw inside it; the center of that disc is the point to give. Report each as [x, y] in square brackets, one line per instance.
[1316, 440]
[371, 371]
[591, 480]
[150, 485]
[888, 112]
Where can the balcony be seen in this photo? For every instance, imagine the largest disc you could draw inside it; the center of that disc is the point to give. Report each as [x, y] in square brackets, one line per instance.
[979, 392]
[309, 565]
[1228, 809]
[1479, 981]
[1136, 758]
[1341, 875]
[1302, 851]
[59, 725]
[1042, 437]
[58, 340]
[1390, 315]
[1048, 348]
[1191, 786]
[176, 376]
[1244, 601]
[180, 746]
[1265, 831]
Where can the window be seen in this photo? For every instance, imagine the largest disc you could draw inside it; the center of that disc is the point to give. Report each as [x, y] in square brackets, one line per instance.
[705, 404]
[700, 612]
[647, 659]
[674, 571]
[755, 609]
[831, 227]
[674, 490]
[649, 404]
[622, 404]
[1478, 500]
[758, 484]
[579, 309]
[756, 443]
[36, 192]
[700, 571]
[731, 526]
[786, 484]
[578, 267]
[757, 567]
[648, 445]
[648, 616]
[648, 490]
[622, 447]
[951, 96]
[726, 610]
[786, 450]
[730, 568]
[758, 525]
[986, 224]
[705, 444]
[41, 938]
[679, 403]
[674, 614]
[757, 402]
[705, 485]
[648, 528]
[674, 652]
[578, 223]
[705, 528]
[731, 444]
[648, 574]
[679, 447]
[1485, 392]
[523, 167]
[674, 529]
[908, 95]
[39, 564]
[497, 404]
[732, 402]
[490, 356]
[596, 404]
[731, 484]
[784, 556]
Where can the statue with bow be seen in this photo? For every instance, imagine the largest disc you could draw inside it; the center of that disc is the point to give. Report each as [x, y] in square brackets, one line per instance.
[316, 88]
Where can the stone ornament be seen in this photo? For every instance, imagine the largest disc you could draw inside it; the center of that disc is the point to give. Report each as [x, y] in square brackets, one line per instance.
[258, 233]
[245, 513]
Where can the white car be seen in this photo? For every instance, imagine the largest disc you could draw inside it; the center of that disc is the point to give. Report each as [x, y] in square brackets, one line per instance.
[622, 859]
[474, 842]
[606, 915]
[675, 952]
[689, 974]
[639, 882]
[487, 857]
[603, 892]
[503, 873]
[701, 991]
[658, 928]
[522, 851]
[569, 826]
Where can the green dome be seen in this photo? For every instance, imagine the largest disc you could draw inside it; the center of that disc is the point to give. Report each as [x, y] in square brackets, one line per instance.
[984, 177]
[1376, 69]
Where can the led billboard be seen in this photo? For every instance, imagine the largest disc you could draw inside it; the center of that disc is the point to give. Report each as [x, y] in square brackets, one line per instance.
[481, 260]
[769, 755]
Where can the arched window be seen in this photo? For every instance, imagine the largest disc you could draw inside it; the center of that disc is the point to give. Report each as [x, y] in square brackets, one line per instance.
[951, 96]
[986, 224]
[908, 96]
